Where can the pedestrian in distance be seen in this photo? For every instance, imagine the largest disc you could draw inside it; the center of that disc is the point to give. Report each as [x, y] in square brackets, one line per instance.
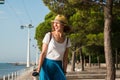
[54, 55]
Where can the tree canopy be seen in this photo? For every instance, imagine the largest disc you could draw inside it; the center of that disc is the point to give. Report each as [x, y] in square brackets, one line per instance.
[92, 23]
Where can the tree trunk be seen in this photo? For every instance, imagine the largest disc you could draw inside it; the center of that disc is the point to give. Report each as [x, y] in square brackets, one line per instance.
[73, 61]
[84, 61]
[89, 60]
[107, 40]
[81, 60]
[98, 60]
[116, 58]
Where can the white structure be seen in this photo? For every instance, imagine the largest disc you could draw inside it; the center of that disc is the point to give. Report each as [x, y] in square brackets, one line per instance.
[37, 54]
[28, 45]
[2, 1]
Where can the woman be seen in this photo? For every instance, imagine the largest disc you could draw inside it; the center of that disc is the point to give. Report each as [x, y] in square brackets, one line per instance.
[53, 58]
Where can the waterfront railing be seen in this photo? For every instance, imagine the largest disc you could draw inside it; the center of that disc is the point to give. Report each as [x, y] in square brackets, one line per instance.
[15, 75]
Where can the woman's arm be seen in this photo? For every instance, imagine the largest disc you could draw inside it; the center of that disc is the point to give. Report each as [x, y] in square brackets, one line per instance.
[65, 60]
[42, 56]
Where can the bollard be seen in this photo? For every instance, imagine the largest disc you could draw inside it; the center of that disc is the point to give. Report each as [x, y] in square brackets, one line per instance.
[15, 75]
[3, 77]
[8, 76]
[12, 78]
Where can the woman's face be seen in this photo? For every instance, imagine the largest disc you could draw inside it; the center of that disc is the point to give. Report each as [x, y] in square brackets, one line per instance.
[58, 26]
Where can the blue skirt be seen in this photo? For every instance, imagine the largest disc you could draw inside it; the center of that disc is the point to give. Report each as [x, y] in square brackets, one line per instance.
[52, 70]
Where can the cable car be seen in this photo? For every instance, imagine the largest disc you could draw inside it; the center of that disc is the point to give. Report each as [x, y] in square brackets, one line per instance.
[2, 1]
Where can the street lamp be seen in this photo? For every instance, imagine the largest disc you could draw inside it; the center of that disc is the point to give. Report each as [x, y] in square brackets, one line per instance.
[28, 45]
[37, 54]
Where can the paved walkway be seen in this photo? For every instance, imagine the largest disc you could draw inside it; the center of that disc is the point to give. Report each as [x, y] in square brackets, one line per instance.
[93, 73]
[90, 73]
[27, 76]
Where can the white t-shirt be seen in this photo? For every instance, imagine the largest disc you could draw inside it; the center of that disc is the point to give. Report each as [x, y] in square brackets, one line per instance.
[55, 50]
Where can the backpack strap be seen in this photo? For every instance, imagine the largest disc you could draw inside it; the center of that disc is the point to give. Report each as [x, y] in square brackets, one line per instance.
[50, 37]
[67, 42]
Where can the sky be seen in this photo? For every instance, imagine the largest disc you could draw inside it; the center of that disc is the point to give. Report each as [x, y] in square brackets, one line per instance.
[13, 39]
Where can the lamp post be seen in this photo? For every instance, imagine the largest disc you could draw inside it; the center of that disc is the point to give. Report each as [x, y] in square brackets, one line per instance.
[37, 54]
[28, 45]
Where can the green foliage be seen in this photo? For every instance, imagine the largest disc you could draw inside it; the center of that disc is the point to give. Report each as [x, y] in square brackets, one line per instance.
[94, 58]
[95, 39]
[43, 28]
[93, 50]
[87, 21]
[116, 40]
[59, 7]
[116, 27]
[78, 21]
[87, 29]
[77, 39]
